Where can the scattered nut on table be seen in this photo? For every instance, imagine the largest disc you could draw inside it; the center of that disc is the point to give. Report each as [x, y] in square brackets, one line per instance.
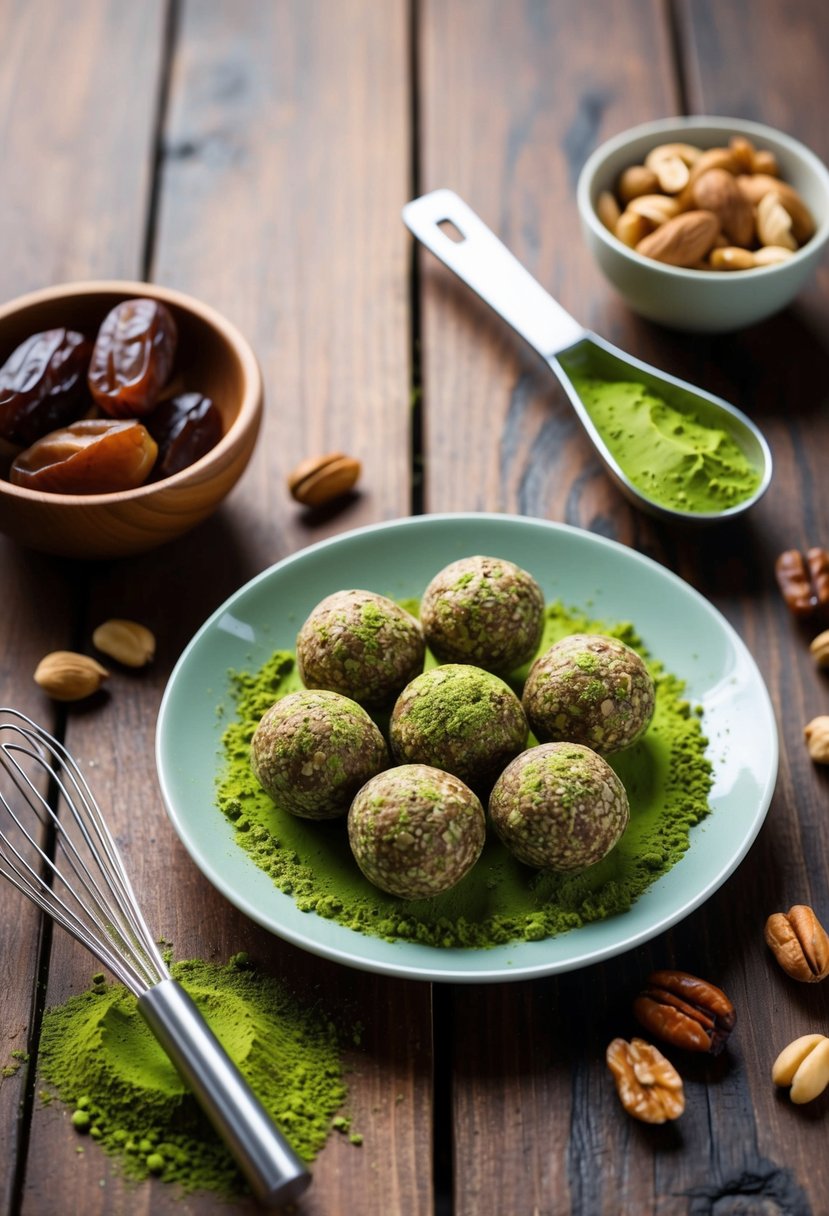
[803, 1065]
[125, 641]
[803, 580]
[323, 479]
[819, 649]
[800, 943]
[67, 676]
[816, 734]
[648, 1085]
[685, 1011]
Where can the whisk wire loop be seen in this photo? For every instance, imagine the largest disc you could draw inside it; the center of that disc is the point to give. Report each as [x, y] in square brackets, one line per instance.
[91, 896]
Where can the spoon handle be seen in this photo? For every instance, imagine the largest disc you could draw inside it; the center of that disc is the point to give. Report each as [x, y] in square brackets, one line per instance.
[477, 257]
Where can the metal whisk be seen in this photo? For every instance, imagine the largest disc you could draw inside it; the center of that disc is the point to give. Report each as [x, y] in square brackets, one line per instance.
[46, 806]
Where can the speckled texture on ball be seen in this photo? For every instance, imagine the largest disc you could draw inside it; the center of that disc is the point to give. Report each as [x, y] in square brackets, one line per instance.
[559, 806]
[362, 645]
[461, 719]
[312, 751]
[589, 689]
[415, 831]
[485, 611]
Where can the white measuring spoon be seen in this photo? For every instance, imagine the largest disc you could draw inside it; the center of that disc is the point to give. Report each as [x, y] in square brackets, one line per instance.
[478, 258]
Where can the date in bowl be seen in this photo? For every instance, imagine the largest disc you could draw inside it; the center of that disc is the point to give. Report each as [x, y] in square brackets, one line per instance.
[702, 299]
[212, 358]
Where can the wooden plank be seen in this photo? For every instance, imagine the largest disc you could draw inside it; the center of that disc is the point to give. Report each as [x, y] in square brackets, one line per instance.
[782, 392]
[64, 214]
[284, 168]
[513, 99]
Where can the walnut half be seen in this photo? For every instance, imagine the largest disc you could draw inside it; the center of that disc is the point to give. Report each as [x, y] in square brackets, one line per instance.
[648, 1085]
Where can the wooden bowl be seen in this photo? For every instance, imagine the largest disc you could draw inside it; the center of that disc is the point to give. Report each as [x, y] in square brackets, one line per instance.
[213, 358]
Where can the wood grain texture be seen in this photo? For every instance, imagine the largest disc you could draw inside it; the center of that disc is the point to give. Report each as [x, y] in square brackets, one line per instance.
[522, 451]
[283, 168]
[63, 214]
[513, 98]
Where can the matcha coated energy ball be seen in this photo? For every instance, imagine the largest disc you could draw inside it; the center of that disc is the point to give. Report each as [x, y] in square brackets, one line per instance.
[312, 751]
[362, 645]
[415, 831]
[484, 611]
[559, 806]
[589, 689]
[461, 719]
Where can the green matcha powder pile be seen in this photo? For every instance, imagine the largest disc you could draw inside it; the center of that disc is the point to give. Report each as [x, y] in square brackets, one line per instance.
[102, 1060]
[667, 777]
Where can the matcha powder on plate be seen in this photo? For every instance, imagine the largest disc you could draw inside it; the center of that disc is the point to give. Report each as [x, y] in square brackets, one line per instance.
[103, 1061]
[666, 774]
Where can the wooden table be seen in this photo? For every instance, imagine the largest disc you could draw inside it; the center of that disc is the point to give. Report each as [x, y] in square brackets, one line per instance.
[257, 154]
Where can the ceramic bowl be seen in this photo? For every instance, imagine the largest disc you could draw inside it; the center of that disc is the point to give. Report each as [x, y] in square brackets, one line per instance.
[700, 300]
[213, 358]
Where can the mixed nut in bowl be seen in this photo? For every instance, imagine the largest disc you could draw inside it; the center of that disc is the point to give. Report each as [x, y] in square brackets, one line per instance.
[127, 412]
[705, 224]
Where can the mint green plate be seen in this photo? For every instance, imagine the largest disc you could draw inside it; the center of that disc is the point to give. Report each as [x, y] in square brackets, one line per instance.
[398, 559]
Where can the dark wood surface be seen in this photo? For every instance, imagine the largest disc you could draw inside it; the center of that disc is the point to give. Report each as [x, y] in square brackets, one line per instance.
[257, 155]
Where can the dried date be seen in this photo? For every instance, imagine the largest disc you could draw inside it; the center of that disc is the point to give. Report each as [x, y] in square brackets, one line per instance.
[185, 428]
[132, 358]
[43, 385]
[94, 456]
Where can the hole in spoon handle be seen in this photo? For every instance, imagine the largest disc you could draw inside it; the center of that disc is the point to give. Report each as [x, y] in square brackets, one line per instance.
[481, 261]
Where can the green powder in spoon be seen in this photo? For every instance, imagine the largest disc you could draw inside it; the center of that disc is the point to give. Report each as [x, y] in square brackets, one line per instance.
[667, 777]
[668, 454]
[99, 1055]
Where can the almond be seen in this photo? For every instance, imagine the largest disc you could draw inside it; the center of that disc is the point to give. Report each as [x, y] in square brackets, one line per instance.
[322, 479]
[717, 191]
[683, 240]
[67, 676]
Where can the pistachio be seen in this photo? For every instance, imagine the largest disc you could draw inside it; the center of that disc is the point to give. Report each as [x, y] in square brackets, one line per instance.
[322, 479]
[816, 733]
[819, 649]
[67, 676]
[125, 641]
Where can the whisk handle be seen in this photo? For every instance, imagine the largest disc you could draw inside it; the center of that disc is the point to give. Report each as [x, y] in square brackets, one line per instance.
[275, 1173]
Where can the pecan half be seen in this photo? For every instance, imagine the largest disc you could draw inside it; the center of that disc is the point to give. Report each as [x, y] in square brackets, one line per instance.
[648, 1085]
[686, 1011]
[800, 943]
[803, 580]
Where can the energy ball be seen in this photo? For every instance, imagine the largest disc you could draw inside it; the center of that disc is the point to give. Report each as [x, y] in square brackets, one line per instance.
[589, 689]
[362, 645]
[559, 806]
[312, 751]
[415, 831]
[461, 719]
[484, 611]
